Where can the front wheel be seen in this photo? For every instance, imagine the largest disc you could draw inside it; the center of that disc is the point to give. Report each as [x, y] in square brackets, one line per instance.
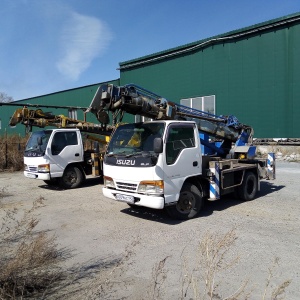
[248, 189]
[189, 203]
[72, 178]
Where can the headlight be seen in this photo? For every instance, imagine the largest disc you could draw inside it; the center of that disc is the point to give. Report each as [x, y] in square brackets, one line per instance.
[151, 187]
[108, 182]
[44, 168]
[26, 168]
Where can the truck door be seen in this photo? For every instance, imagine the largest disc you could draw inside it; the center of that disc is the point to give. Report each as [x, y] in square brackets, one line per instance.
[66, 148]
[182, 158]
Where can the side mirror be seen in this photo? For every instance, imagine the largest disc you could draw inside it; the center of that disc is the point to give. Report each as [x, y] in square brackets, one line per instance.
[158, 145]
[39, 141]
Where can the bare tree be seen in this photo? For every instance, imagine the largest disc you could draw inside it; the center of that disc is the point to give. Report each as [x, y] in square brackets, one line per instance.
[4, 98]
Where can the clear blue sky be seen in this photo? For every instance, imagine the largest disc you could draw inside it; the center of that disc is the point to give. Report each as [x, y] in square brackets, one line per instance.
[52, 45]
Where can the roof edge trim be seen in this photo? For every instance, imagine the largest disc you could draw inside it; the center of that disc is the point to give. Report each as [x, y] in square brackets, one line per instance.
[62, 91]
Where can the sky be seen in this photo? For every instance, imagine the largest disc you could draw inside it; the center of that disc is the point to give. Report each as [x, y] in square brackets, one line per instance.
[53, 45]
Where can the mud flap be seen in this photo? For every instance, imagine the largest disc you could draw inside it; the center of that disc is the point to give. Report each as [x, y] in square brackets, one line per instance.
[271, 166]
[95, 164]
[214, 183]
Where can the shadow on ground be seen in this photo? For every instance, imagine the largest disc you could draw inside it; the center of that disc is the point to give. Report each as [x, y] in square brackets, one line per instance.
[89, 182]
[208, 209]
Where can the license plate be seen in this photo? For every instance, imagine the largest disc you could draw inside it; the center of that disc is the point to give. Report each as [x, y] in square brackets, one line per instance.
[33, 176]
[124, 198]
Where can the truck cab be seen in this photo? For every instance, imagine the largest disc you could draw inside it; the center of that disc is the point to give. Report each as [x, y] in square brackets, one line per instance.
[139, 173]
[57, 156]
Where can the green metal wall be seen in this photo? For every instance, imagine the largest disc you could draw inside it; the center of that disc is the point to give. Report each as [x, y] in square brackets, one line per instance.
[75, 97]
[255, 77]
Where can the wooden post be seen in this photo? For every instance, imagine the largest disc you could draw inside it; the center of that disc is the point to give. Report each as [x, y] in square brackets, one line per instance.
[6, 158]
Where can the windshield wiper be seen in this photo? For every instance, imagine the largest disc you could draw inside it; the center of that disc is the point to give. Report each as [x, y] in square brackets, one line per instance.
[143, 153]
[134, 153]
[32, 149]
[110, 154]
[116, 153]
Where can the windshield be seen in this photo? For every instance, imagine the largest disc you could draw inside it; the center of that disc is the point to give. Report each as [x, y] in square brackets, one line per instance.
[38, 141]
[133, 138]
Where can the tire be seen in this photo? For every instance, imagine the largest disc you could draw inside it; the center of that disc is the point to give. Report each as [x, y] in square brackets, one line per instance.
[51, 182]
[72, 178]
[248, 189]
[188, 205]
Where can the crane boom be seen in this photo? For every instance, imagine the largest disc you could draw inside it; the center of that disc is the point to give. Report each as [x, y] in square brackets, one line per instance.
[39, 118]
[135, 100]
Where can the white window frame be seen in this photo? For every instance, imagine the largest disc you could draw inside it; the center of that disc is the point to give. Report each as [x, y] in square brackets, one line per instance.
[72, 113]
[139, 118]
[200, 103]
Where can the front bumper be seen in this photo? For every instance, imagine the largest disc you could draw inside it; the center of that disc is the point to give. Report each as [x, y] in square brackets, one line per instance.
[41, 176]
[156, 202]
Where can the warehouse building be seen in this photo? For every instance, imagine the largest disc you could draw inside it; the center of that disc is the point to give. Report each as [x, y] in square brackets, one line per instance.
[252, 73]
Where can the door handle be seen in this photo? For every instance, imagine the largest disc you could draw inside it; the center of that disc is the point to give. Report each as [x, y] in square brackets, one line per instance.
[195, 163]
[76, 154]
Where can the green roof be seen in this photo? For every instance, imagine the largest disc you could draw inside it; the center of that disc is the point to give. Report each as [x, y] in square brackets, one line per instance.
[68, 90]
[206, 42]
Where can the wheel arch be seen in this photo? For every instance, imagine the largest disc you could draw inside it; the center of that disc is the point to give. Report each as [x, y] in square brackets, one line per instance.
[200, 183]
[190, 201]
[79, 166]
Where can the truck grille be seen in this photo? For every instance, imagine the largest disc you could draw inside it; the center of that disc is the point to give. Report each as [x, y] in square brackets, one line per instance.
[32, 169]
[130, 187]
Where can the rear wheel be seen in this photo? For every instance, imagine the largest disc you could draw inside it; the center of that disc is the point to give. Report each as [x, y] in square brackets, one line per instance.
[189, 203]
[72, 178]
[248, 189]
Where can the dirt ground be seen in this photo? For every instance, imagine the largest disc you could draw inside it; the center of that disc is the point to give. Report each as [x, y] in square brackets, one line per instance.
[99, 232]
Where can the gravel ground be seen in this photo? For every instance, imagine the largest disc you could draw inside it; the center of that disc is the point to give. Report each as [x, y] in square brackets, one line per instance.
[99, 230]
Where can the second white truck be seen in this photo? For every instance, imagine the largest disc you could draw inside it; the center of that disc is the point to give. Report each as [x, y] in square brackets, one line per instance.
[64, 155]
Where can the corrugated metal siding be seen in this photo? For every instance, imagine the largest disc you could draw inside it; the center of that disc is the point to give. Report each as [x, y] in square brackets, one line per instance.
[255, 77]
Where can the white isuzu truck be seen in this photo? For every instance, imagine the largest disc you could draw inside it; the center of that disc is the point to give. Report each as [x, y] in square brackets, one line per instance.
[57, 156]
[163, 163]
